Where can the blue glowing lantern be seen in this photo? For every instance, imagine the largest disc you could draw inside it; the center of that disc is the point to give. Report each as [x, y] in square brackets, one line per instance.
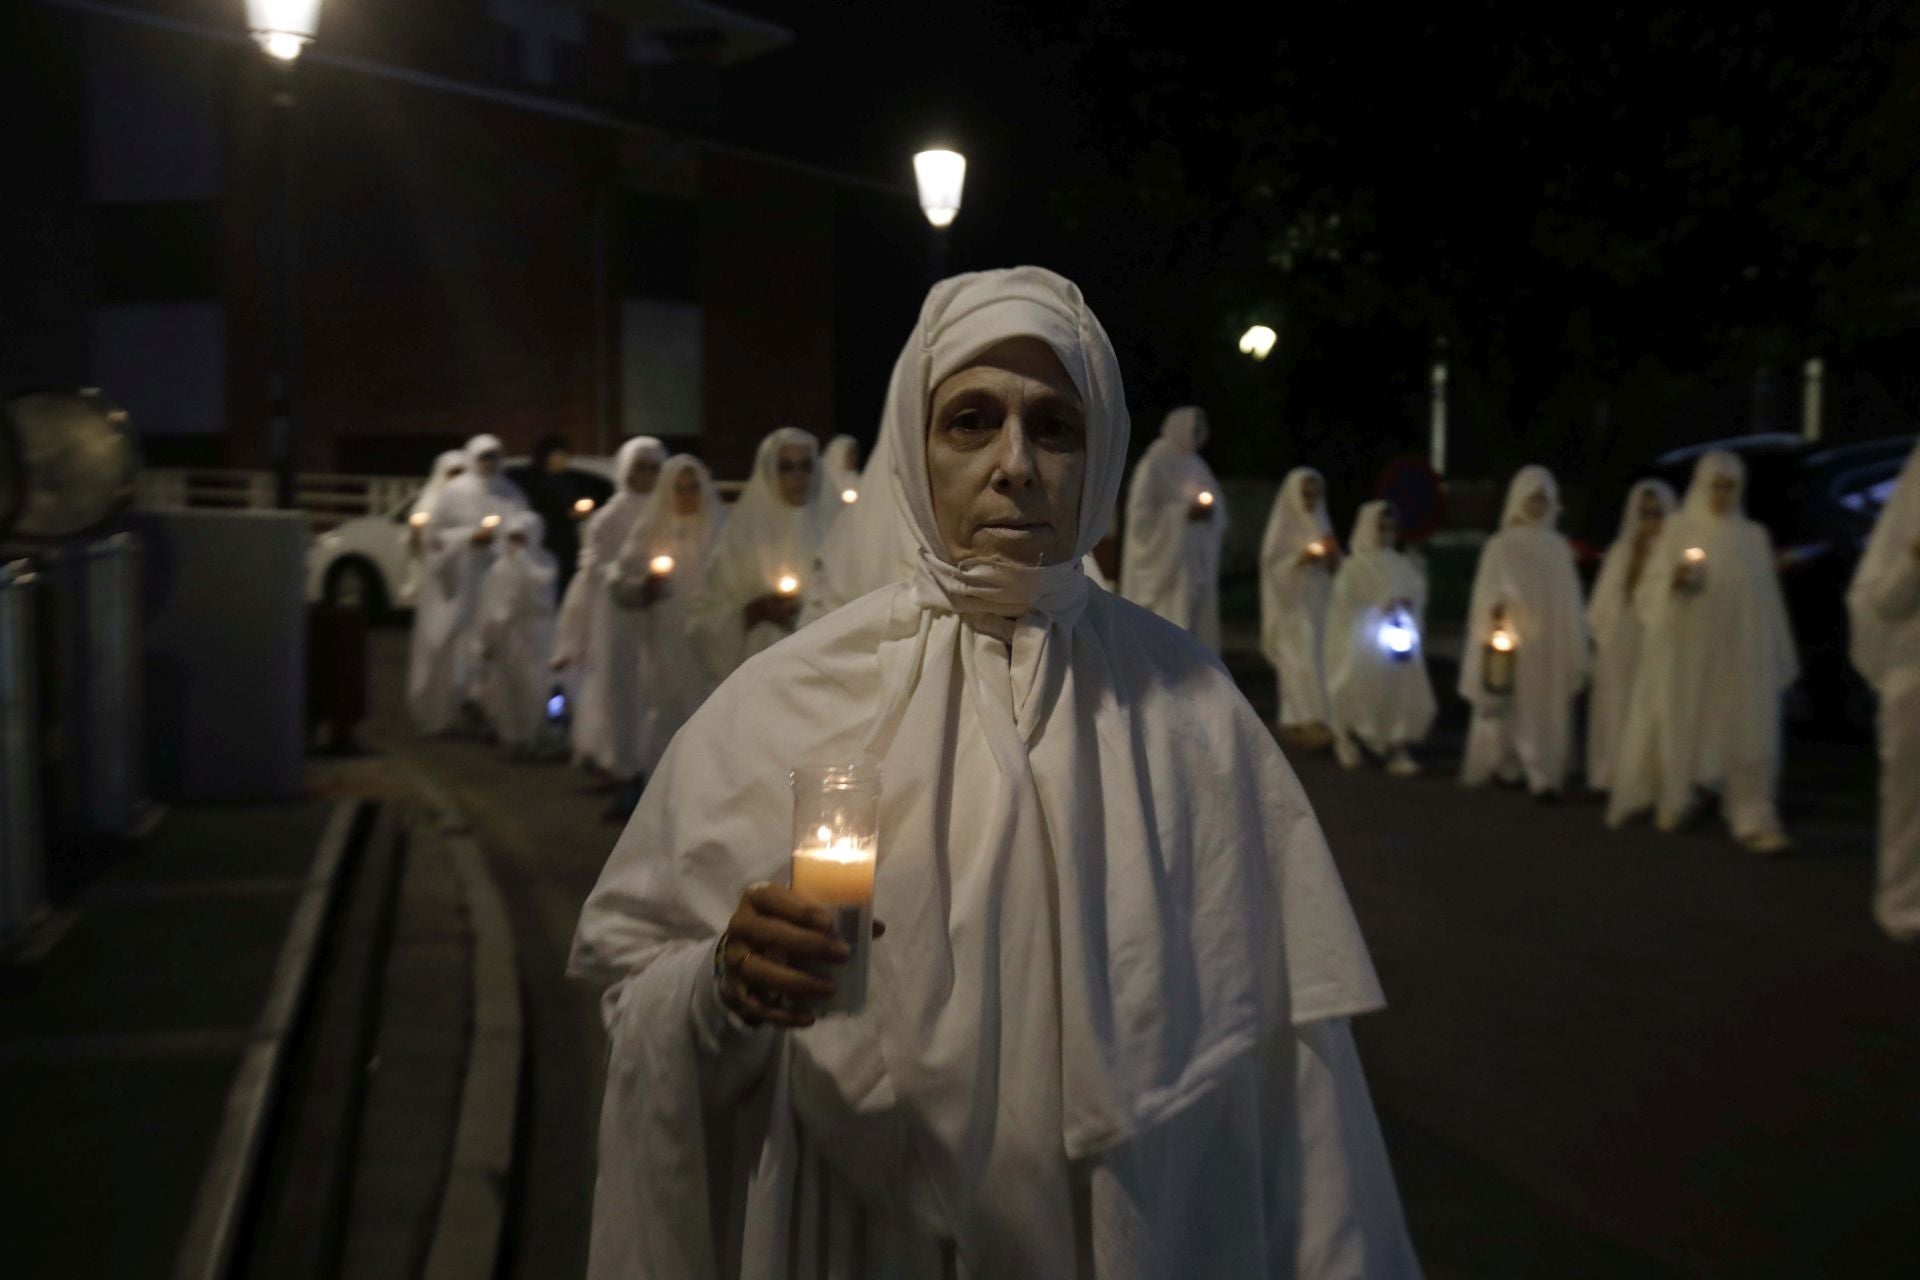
[1399, 638]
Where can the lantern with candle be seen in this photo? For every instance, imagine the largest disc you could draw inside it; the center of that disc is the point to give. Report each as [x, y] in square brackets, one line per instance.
[1692, 578]
[836, 849]
[1398, 636]
[1500, 659]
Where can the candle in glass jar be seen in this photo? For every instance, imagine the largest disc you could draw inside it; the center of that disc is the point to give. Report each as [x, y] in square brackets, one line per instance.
[660, 566]
[788, 585]
[583, 506]
[1206, 498]
[1317, 548]
[418, 519]
[836, 846]
[849, 496]
[490, 522]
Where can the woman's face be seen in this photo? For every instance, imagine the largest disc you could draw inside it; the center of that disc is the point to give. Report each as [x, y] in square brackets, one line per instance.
[1536, 506]
[1007, 455]
[1724, 495]
[1312, 489]
[1650, 511]
[795, 469]
[643, 474]
[686, 493]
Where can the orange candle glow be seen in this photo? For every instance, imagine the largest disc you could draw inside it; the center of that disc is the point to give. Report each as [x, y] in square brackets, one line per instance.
[660, 566]
[849, 496]
[788, 585]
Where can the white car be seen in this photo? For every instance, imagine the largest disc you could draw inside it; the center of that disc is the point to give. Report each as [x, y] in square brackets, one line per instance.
[369, 561]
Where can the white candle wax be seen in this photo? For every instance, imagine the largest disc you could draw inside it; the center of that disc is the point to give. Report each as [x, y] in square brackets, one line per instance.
[838, 874]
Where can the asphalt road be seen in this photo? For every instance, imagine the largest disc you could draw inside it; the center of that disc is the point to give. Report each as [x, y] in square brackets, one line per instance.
[1609, 1054]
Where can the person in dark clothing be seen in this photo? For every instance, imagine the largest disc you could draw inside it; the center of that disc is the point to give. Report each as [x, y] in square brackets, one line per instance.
[552, 491]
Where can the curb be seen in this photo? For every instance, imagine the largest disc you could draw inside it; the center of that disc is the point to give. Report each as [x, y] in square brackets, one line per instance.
[213, 1231]
[468, 1229]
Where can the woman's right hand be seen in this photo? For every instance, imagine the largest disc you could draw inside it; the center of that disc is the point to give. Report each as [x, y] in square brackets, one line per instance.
[773, 940]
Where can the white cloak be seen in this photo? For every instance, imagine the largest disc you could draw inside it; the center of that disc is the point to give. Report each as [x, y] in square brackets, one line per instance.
[1527, 570]
[1104, 1033]
[516, 634]
[1385, 702]
[1615, 625]
[1883, 605]
[1293, 601]
[1706, 700]
[602, 640]
[1170, 563]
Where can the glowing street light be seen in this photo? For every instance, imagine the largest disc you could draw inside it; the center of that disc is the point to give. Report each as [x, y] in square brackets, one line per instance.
[1258, 342]
[282, 28]
[941, 176]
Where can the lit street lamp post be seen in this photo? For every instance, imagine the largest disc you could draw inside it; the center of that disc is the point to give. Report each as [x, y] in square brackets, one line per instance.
[941, 176]
[282, 29]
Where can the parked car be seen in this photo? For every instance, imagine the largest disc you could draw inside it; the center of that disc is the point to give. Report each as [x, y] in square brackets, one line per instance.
[368, 561]
[1819, 502]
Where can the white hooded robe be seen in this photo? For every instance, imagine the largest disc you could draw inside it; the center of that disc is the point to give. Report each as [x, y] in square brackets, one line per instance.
[1170, 562]
[1615, 625]
[1385, 702]
[1105, 1033]
[1526, 570]
[1883, 605]
[516, 633]
[1293, 601]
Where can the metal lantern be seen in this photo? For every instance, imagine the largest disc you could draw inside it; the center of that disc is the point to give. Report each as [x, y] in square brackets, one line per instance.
[1502, 656]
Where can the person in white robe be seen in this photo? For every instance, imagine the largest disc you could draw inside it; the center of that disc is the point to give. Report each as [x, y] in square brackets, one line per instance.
[1883, 605]
[750, 593]
[1718, 659]
[598, 642]
[840, 472]
[1615, 624]
[431, 604]
[516, 634]
[445, 467]
[458, 546]
[1526, 585]
[1176, 522]
[1298, 558]
[1106, 1034]
[661, 561]
[1377, 682]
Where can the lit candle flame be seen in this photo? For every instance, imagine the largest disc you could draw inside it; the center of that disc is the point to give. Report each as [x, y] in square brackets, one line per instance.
[661, 566]
[1695, 555]
[490, 522]
[1206, 498]
[583, 506]
[1501, 639]
[418, 519]
[849, 496]
[788, 585]
[1316, 548]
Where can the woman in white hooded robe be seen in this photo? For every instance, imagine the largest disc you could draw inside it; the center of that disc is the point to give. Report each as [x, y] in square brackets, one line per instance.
[1615, 624]
[598, 640]
[1298, 556]
[1883, 605]
[1106, 1033]
[1526, 583]
[750, 593]
[445, 467]
[432, 606]
[866, 549]
[516, 633]
[682, 521]
[1377, 679]
[840, 473]
[1176, 522]
[458, 546]
[1717, 659]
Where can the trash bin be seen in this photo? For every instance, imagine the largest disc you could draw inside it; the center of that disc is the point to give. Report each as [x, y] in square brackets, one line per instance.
[95, 656]
[23, 866]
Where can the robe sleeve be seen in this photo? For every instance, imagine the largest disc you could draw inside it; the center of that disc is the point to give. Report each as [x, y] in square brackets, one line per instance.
[1896, 596]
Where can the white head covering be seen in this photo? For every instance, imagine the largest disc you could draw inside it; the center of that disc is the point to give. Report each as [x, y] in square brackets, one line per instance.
[1292, 527]
[470, 497]
[1630, 509]
[1181, 428]
[838, 460]
[1880, 642]
[1608, 602]
[630, 452]
[480, 446]
[1094, 942]
[662, 530]
[763, 526]
[528, 524]
[608, 527]
[443, 471]
[869, 546]
[1366, 528]
[1526, 482]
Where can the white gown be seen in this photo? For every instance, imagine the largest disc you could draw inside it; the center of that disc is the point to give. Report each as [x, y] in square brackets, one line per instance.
[1706, 702]
[675, 679]
[1527, 569]
[516, 632]
[1884, 606]
[602, 640]
[1385, 702]
[1615, 625]
[765, 538]
[1170, 563]
[1106, 1031]
[1293, 602]
[452, 567]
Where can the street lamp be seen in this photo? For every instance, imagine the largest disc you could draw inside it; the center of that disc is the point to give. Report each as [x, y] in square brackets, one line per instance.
[1258, 342]
[940, 176]
[282, 28]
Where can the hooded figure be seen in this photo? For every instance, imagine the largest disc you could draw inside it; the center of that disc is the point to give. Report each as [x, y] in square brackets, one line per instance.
[1176, 520]
[457, 548]
[1297, 558]
[600, 640]
[1106, 1029]
[1717, 655]
[1527, 588]
[840, 472]
[516, 633]
[1884, 607]
[1376, 667]
[681, 522]
[1616, 624]
[750, 592]
[413, 539]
